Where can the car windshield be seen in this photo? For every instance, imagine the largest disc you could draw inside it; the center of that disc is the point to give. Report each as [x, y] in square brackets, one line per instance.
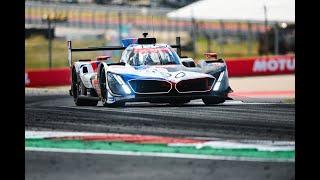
[153, 56]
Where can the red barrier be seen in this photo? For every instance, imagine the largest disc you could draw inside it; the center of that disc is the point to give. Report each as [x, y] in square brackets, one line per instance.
[253, 66]
[264, 65]
[47, 77]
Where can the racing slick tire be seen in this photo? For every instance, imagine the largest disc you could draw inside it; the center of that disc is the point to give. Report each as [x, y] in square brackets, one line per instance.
[79, 89]
[103, 88]
[213, 100]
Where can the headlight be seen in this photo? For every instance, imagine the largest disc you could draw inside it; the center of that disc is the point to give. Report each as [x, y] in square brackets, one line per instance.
[117, 85]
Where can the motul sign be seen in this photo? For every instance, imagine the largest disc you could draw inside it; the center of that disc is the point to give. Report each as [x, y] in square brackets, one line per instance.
[274, 65]
[265, 65]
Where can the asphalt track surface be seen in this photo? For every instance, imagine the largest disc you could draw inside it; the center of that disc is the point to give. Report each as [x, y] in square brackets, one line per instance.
[233, 119]
[52, 166]
[256, 119]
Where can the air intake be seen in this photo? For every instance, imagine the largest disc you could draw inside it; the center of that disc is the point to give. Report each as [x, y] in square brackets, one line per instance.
[150, 86]
[195, 85]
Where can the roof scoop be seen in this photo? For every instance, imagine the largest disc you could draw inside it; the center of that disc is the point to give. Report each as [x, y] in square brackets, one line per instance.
[146, 40]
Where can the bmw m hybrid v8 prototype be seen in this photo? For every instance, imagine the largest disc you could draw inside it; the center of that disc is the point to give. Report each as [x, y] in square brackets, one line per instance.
[147, 72]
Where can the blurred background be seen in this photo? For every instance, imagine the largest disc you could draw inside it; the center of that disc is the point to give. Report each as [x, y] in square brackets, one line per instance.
[255, 37]
[233, 29]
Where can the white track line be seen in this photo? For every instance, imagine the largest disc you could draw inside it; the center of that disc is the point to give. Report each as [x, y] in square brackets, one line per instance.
[48, 134]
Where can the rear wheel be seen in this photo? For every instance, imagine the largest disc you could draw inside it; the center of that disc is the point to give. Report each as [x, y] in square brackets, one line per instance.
[213, 100]
[79, 89]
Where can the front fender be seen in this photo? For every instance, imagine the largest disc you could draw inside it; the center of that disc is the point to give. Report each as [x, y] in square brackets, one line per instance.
[101, 65]
[212, 67]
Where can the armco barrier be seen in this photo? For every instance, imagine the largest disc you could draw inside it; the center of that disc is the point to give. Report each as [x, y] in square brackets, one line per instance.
[253, 66]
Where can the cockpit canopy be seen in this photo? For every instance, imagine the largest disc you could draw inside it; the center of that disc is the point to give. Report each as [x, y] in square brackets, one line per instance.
[137, 55]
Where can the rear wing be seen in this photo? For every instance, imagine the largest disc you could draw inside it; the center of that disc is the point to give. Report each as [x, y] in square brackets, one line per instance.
[107, 48]
[111, 48]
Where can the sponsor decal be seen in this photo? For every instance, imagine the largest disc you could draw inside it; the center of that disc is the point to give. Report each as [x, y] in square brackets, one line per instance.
[180, 75]
[95, 65]
[274, 65]
[256, 66]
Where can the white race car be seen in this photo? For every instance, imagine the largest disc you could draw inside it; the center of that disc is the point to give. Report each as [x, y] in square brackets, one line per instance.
[147, 72]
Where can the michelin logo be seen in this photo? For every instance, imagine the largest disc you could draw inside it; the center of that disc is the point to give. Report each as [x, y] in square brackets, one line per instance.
[273, 65]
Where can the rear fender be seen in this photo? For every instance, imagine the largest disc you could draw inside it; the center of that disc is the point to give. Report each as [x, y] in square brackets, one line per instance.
[87, 73]
[77, 65]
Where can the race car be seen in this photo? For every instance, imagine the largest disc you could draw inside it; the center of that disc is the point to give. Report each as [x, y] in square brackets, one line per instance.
[147, 72]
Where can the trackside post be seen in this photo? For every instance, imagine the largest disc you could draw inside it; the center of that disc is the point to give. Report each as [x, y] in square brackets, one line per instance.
[69, 53]
[70, 63]
[178, 46]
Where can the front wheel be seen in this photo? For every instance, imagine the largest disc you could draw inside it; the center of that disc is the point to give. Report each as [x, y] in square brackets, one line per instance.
[213, 100]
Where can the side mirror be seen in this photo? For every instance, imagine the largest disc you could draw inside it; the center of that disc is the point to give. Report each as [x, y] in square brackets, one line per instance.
[211, 56]
[189, 64]
[102, 58]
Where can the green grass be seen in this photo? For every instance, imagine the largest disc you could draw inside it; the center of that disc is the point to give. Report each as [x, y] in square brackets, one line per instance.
[291, 100]
[228, 50]
[36, 51]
